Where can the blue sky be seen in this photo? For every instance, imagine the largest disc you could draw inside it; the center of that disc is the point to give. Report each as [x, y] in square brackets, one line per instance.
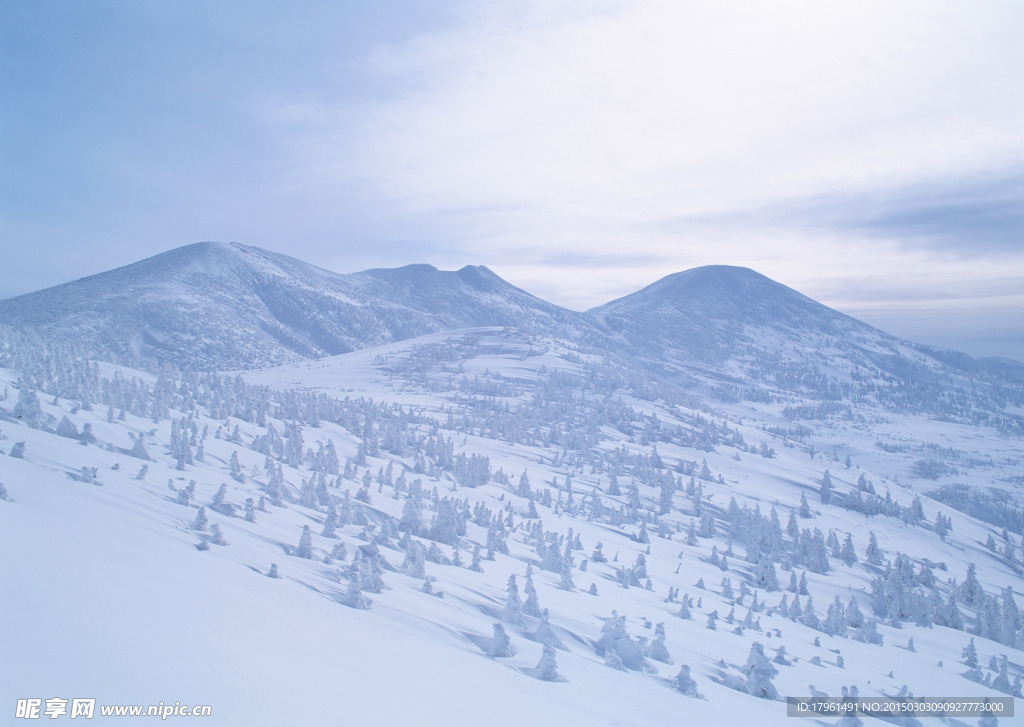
[868, 154]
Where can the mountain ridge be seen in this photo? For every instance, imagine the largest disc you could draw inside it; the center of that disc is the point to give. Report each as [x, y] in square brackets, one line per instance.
[728, 331]
[231, 306]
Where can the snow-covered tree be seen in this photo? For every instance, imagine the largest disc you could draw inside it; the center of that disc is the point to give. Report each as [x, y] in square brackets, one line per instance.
[501, 645]
[305, 547]
[971, 591]
[764, 575]
[826, 488]
[513, 605]
[873, 554]
[835, 619]
[547, 668]
[848, 554]
[760, 673]
[28, 408]
[656, 649]
[545, 634]
[199, 524]
[354, 597]
[684, 682]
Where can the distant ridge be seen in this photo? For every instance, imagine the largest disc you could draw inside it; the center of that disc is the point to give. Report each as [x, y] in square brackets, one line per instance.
[229, 306]
[729, 332]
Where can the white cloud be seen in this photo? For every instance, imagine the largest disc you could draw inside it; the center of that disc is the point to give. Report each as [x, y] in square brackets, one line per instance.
[585, 150]
[667, 108]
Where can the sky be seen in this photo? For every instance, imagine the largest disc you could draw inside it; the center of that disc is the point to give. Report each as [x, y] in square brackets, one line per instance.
[868, 154]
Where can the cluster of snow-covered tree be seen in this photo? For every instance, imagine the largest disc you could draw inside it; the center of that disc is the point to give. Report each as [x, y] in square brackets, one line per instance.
[408, 454]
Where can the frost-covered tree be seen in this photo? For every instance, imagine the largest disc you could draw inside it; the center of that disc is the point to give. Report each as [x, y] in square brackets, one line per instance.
[414, 564]
[339, 552]
[524, 487]
[566, 582]
[684, 608]
[305, 547]
[1002, 682]
[613, 660]
[330, 523]
[65, 428]
[970, 591]
[216, 536]
[513, 605]
[832, 543]
[848, 554]
[691, 534]
[547, 667]
[1010, 621]
[545, 634]
[138, 449]
[795, 612]
[792, 528]
[853, 616]
[764, 575]
[760, 673]
[354, 597]
[656, 649]
[531, 606]
[684, 684]
[826, 488]
[816, 554]
[873, 554]
[412, 515]
[707, 524]
[810, 618]
[28, 408]
[501, 645]
[835, 619]
[727, 593]
[293, 447]
[236, 468]
[199, 524]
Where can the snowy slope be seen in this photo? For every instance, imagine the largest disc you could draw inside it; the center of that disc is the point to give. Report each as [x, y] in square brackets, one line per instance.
[108, 596]
[688, 429]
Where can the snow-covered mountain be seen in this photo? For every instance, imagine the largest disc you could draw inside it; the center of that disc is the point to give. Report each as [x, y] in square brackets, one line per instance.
[746, 336]
[216, 306]
[685, 505]
[731, 331]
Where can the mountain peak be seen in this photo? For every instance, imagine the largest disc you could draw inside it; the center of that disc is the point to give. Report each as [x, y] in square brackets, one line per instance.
[720, 313]
[214, 305]
[741, 290]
